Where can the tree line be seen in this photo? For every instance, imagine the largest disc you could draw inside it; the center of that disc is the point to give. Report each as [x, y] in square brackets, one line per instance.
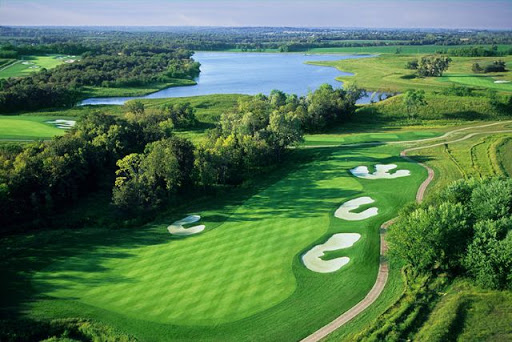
[76, 40]
[140, 160]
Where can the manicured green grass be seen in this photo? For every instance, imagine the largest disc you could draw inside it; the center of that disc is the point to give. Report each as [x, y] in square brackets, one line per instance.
[478, 81]
[242, 279]
[30, 64]
[28, 127]
[387, 72]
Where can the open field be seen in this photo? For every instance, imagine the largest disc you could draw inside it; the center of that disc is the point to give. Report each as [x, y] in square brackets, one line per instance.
[388, 73]
[30, 64]
[28, 127]
[252, 286]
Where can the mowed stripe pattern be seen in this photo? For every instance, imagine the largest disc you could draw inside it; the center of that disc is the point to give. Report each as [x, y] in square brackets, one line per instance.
[243, 266]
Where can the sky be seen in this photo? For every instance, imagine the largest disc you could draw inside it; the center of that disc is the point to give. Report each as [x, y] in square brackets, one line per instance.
[489, 14]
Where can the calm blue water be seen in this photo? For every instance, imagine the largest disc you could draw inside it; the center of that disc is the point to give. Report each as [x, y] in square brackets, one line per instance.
[249, 73]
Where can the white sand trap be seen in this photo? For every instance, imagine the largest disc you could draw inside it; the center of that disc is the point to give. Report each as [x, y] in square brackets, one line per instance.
[344, 211]
[501, 81]
[381, 172]
[64, 124]
[312, 259]
[177, 227]
[27, 63]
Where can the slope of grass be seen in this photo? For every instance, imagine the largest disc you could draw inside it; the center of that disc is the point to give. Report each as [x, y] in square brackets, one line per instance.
[240, 280]
[440, 110]
[504, 154]
[28, 127]
[467, 313]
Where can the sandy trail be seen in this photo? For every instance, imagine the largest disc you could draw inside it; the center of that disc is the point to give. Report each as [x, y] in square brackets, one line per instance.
[383, 272]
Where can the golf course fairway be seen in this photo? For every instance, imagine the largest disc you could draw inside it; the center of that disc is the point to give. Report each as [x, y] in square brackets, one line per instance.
[244, 272]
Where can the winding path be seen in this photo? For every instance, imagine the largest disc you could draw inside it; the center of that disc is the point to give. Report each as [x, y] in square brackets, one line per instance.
[383, 273]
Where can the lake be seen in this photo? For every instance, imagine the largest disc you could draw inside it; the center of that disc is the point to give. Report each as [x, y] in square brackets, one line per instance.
[250, 73]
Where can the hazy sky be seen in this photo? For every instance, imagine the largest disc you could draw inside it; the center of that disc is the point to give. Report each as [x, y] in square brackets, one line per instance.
[338, 13]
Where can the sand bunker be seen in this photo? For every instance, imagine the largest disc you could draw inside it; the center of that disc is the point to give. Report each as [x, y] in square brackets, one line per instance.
[381, 172]
[312, 259]
[177, 227]
[344, 211]
[64, 124]
[501, 81]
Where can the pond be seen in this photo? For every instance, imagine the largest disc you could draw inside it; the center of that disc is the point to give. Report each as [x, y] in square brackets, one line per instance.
[250, 73]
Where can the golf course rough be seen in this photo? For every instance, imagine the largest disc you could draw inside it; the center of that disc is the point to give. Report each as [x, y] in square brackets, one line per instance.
[381, 172]
[177, 227]
[313, 258]
[344, 211]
